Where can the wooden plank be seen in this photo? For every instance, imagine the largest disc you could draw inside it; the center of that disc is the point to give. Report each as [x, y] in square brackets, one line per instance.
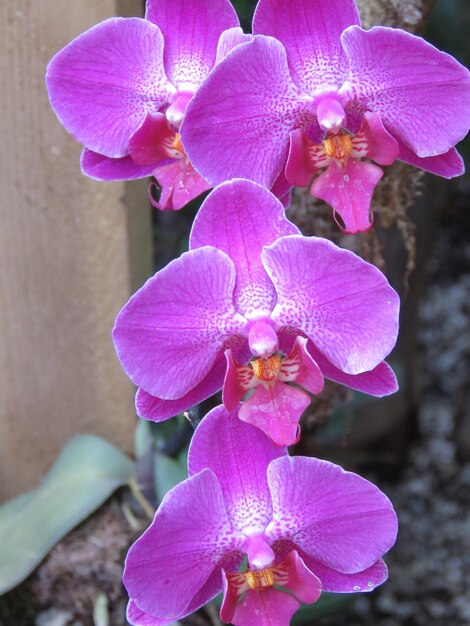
[64, 254]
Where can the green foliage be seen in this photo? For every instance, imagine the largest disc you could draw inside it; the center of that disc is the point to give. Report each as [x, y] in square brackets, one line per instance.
[86, 473]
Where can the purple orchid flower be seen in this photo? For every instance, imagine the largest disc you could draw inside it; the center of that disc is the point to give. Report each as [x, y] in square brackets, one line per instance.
[255, 306]
[316, 90]
[122, 88]
[304, 525]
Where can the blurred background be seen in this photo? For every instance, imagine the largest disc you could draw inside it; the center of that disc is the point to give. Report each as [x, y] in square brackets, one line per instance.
[72, 250]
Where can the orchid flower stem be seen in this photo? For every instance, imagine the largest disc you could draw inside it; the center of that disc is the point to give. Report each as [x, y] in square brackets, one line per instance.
[141, 499]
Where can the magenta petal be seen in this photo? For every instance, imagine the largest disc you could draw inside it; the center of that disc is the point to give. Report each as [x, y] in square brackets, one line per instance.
[152, 142]
[300, 367]
[233, 389]
[421, 94]
[157, 410]
[268, 607]
[376, 142]
[136, 617]
[276, 410]
[102, 167]
[238, 123]
[379, 382]
[191, 29]
[336, 582]
[343, 304]
[240, 218]
[179, 182]
[448, 165]
[299, 169]
[310, 32]
[103, 83]
[170, 332]
[172, 561]
[217, 444]
[346, 523]
[299, 579]
[229, 39]
[349, 189]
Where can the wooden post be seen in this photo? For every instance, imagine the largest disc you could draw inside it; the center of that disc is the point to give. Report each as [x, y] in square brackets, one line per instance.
[65, 259]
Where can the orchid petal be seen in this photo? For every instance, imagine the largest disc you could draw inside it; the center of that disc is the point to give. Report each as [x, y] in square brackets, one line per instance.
[229, 39]
[101, 167]
[374, 141]
[282, 190]
[169, 333]
[157, 410]
[179, 183]
[349, 189]
[238, 379]
[103, 84]
[336, 582]
[421, 94]
[379, 382]
[293, 575]
[191, 29]
[136, 617]
[299, 366]
[243, 476]
[299, 167]
[310, 32]
[240, 218]
[346, 523]
[153, 141]
[268, 607]
[448, 165]
[276, 410]
[175, 557]
[238, 123]
[335, 298]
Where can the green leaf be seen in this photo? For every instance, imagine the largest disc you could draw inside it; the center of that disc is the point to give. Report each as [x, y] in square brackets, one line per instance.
[86, 473]
[168, 472]
[143, 438]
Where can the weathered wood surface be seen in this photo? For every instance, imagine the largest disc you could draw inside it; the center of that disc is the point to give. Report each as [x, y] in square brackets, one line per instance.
[65, 247]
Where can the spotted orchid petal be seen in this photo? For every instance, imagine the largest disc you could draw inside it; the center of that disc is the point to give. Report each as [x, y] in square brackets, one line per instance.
[379, 382]
[191, 31]
[348, 189]
[448, 165]
[188, 538]
[333, 581]
[243, 476]
[335, 298]
[101, 167]
[169, 334]
[157, 410]
[346, 523]
[310, 32]
[179, 183]
[240, 218]
[276, 410]
[103, 84]
[421, 94]
[244, 116]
